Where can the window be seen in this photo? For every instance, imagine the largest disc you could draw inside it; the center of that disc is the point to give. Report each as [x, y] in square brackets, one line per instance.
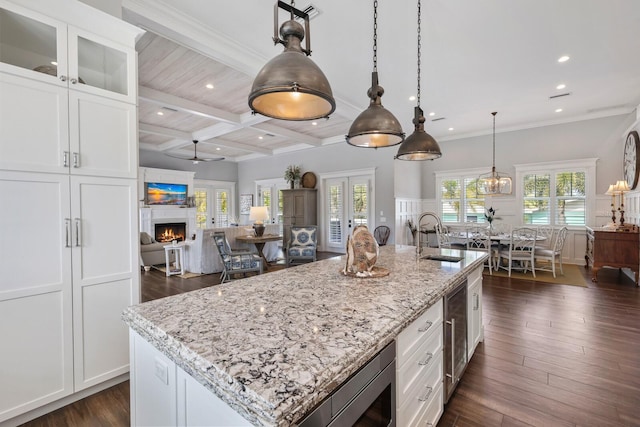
[557, 193]
[270, 194]
[458, 197]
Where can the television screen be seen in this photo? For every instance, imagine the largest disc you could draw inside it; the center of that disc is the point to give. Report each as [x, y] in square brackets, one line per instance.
[157, 193]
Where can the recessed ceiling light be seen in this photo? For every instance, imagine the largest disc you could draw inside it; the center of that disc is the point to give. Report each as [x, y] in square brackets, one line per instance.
[54, 63]
[217, 148]
[412, 98]
[558, 110]
[314, 123]
[564, 58]
[450, 128]
[561, 86]
[209, 86]
[160, 113]
[261, 137]
[432, 114]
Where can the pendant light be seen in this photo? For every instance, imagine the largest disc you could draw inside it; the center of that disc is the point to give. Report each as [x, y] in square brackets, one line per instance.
[376, 126]
[419, 145]
[291, 86]
[195, 159]
[493, 183]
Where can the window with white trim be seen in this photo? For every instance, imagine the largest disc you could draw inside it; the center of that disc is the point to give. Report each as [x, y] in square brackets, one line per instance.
[458, 199]
[557, 193]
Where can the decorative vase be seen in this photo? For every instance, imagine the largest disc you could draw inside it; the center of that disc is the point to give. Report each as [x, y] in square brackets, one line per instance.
[292, 183]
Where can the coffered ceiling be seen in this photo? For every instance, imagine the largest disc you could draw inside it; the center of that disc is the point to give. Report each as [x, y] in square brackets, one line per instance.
[477, 57]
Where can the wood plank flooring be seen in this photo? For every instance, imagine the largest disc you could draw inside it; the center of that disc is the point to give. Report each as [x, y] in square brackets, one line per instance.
[553, 355]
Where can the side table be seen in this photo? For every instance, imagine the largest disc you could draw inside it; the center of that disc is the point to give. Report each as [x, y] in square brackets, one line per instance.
[179, 253]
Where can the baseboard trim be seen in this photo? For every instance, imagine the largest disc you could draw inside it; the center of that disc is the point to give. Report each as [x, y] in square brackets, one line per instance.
[50, 407]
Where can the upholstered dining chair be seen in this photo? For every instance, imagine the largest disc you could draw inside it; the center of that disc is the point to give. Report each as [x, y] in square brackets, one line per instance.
[302, 244]
[553, 253]
[521, 249]
[381, 234]
[235, 261]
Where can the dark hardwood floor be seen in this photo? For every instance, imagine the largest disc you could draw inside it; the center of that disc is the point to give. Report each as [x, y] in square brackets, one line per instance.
[553, 355]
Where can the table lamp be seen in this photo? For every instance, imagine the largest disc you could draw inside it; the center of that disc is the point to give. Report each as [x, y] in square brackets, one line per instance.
[621, 187]
[259, 214]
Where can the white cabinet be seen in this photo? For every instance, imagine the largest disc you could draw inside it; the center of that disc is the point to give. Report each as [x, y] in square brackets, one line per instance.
[68, 201]
[71, 271]
[164, 394]
[475, 330]
[51, 125]
[419, 370]
[39, 47]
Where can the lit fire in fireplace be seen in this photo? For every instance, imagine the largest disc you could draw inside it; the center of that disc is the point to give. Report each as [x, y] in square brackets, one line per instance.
[170, 232]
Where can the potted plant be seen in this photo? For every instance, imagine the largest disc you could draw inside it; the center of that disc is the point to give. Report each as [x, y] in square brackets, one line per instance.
[292, 174]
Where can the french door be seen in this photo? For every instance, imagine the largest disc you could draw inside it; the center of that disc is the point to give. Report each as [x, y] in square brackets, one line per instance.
[213, 206]
[347, 204]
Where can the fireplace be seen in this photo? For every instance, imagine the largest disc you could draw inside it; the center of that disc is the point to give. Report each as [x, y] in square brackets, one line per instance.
[170, 231]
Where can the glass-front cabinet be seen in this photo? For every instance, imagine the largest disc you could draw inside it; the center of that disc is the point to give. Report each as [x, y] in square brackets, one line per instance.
[38, 47]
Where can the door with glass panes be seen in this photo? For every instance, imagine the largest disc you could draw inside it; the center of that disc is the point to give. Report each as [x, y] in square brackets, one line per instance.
[213, 207]
[347, 204]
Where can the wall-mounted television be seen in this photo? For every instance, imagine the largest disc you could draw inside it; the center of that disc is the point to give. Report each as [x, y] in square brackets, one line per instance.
[158, 193]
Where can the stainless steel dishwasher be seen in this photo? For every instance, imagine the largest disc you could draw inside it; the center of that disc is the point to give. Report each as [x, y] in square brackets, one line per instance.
[455, 337]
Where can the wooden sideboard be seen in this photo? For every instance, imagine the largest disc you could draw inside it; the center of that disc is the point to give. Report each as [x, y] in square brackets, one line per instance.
[611, 248]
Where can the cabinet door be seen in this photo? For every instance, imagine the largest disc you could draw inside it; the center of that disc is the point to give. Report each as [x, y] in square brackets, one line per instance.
[34, 132]
[474, 313]
[105, 275]
[101, 66]
[32, 45]
[36, 363]
[102, 136]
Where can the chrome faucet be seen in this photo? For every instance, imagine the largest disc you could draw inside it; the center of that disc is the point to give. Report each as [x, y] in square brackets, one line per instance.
[422, 215]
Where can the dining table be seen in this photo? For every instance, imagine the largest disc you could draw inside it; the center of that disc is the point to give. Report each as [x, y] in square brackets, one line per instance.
[258, 242]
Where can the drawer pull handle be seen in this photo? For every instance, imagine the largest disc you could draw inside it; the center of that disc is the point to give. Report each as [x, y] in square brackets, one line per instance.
[427, 395]
[426, 327]
[427, 360]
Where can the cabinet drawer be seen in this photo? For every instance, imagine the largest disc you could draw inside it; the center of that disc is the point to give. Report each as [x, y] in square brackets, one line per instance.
[432, 412]
[421, 361]
[426, 392]
[474, 276]
[413, 335]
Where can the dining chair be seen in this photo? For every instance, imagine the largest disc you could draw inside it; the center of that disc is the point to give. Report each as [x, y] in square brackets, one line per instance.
[442, 236]
[235, 261]
[302, 244]
[548, 233]
[381, 234]
[552, 254]
[521, 249]
[481, 241]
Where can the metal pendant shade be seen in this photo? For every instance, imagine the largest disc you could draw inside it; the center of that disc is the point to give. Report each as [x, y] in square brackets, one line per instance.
[376, 126]
[419, 145]
[195, 159]
[494, 183]
[291, 86]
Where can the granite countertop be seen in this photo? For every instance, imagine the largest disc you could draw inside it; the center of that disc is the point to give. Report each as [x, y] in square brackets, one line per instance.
[273, 346]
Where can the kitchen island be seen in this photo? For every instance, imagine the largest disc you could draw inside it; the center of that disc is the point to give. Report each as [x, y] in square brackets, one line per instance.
[271, 347]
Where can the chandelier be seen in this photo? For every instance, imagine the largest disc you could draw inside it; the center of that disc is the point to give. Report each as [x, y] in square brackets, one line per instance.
[493, 183]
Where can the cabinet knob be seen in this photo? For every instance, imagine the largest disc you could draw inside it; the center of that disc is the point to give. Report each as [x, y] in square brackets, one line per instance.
[73, 81]
[63, 78]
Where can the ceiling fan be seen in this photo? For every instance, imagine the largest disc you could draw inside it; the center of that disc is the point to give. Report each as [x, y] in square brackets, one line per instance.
[195, 159]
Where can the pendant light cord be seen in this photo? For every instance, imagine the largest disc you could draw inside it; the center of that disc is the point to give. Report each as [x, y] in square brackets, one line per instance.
[419, 43]
[494, 140]
[375, 36]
